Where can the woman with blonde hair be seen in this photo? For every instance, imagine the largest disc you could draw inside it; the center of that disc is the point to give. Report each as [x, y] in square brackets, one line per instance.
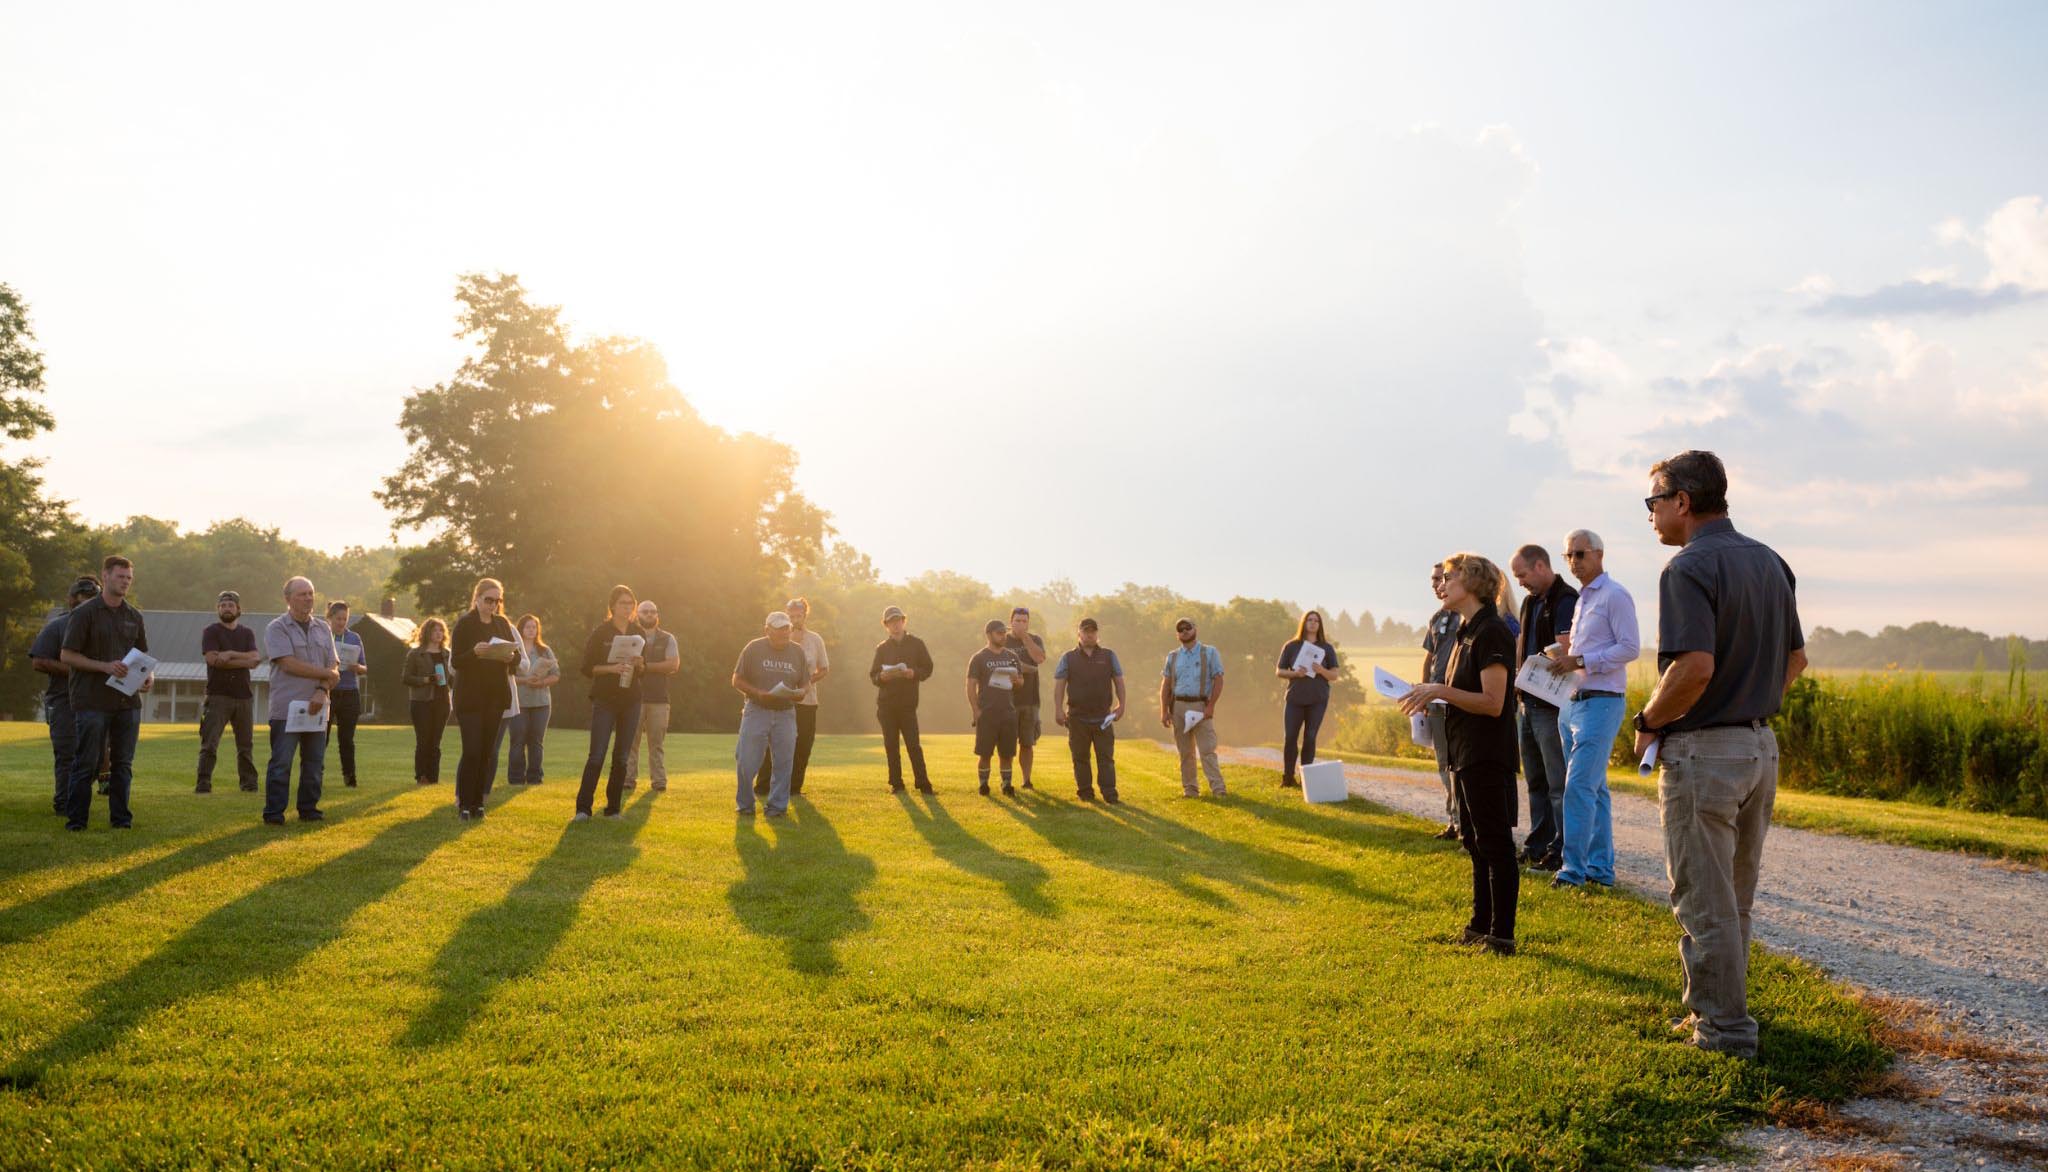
[1481, 749]
[485, 652]
[427, 679]
[529, 727]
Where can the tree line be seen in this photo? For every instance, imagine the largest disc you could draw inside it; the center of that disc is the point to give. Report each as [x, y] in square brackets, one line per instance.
[1922, 647]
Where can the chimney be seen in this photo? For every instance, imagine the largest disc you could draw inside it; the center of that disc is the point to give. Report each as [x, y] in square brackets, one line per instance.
[388, 608]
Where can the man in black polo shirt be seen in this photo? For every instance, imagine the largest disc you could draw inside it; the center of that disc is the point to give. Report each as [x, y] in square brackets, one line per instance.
[230, 651]
[46, 655]
[900, 663]
[1088, 700]
[1546, 614]
[1729, 647]
[99, 634]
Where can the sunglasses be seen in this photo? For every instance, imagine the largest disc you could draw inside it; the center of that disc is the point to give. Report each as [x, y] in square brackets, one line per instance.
[1183, 627]
[1650, 502]
[1572, 555]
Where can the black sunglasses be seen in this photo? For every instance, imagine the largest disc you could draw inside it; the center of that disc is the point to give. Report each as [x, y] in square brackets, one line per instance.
[1650, 502]
[1572, 555]
[1184, 627]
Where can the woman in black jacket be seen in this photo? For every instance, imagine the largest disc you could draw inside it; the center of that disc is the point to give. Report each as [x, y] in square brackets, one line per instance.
[614, 705]
[1308, 692]
[485, 652]
[1479, 725]
[427, 681]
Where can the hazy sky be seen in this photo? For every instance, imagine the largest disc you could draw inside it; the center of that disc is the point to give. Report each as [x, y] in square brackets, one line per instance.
[1281, 300]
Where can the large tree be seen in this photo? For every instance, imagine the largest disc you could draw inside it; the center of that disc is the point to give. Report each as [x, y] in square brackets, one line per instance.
[37, 534]
[563, 467]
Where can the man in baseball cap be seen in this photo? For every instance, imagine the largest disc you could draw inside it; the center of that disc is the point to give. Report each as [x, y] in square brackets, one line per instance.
[900, 663]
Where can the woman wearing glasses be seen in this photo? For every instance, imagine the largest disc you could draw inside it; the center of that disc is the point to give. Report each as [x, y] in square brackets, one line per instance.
[1479, 728]
[485, 654]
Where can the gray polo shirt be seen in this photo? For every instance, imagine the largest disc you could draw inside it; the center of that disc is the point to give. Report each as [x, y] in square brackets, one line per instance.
[311, 642]
[1730, 595]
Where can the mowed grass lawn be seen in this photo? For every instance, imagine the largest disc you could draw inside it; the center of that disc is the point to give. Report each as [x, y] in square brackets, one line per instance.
[878, 981]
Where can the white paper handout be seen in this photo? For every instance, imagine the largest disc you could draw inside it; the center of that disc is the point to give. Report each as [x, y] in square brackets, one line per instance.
[1194, 717]
[1537, 680]
[625, 647]
[350, 654]
[1308, 658]
[140, 664]
[784, 690]
[1418, 731]
[1388, 684]
[1649, 763]
[1109, 720]
[297, 718]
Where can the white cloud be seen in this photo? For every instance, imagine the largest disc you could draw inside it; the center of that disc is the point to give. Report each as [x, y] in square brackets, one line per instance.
[2015, 241]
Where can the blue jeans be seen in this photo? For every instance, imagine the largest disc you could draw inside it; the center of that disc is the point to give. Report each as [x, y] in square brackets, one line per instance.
[1544, 773]
[115, 733]
[63, 744]
[277, 774]
[611, 729]
[770, 733]
[525, 731]
[1588, 735]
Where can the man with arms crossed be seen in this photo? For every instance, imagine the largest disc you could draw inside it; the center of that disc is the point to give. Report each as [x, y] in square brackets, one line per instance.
[1728, 648]
[664, 658]
[230, 652]
[1546, 617]
[993, 675]
[1030, 651]
[1088, 700]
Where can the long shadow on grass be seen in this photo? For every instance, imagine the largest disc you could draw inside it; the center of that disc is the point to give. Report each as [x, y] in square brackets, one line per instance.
[258, 937]
[800, 886]
[1226, 856]
[1331, 821]
[54, 909]
[1020, 877]
[510, 939]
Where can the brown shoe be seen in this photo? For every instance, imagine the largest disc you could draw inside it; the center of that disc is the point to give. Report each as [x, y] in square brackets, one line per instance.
[1498, 945]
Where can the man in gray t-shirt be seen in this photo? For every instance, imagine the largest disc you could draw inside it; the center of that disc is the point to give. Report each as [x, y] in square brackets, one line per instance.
[772, 674]
[303, 669]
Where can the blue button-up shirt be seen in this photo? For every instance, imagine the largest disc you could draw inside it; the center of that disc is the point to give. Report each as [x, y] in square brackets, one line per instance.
[1184, 667]
[1604, 631]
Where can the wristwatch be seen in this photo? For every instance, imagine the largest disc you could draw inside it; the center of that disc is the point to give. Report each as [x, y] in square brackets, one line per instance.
[1642, 726]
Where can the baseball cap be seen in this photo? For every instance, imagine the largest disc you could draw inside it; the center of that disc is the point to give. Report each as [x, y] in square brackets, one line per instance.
[1020, 610]
[85, 586]
[229, 596]
[1089, 625]
[892, 614]
[778, 619]
[993, 625]
[1183, 621]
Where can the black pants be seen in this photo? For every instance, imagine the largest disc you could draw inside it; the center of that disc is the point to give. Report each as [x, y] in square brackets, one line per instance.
[479, 750]
[900, 723]
[341, 725]
[806, 732]
[63, 743]
[1303, 721]
[1486, 825]
[611, 729]
[1085, 738]
[429, 718]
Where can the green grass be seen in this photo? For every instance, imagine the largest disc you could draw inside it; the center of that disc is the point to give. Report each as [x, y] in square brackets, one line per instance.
[876, 982]
[2011, 837]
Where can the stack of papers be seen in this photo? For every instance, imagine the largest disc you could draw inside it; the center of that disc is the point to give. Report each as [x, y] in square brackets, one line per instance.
[297, 718]
[1537, 680]
[1308, 658]
[140, 665]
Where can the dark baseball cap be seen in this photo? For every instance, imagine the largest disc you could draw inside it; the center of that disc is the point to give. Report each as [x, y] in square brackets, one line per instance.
[1089, 625]
[993, 625]
[85, 586]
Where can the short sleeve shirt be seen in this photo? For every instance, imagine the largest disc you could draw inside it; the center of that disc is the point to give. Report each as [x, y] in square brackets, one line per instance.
[1480, 740]
[762, 666]
[228, 682]
[1312, 689]
[1736, 598]
[1000, 674]
[49, 644]
[350, 639]
[1443, 631]
[98, 631]
[814, 654]
[1027, 690]
[311, 643]
[1184, 668]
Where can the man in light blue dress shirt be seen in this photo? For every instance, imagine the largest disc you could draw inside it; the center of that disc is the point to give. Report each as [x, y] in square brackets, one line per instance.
[1604, 640]
[1192, 682]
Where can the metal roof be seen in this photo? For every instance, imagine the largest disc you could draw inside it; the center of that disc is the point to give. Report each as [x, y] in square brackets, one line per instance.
[174, 639]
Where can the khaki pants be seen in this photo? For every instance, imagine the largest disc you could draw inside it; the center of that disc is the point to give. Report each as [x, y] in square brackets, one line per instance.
[1715, 794]
[1202, 739]
[654, 728]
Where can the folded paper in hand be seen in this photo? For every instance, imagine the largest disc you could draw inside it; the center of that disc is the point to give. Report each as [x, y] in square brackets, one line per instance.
[298, 718]
[1537, 680]
[1418, 731]
[350, 653]
[1388, 684]
[782, 689]
[1194, 717]
[1649, 764]
[140, 664]
[1109, 720]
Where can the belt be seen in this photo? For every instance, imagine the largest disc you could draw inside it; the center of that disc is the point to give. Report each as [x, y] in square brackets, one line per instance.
[1758, 724]
[1588, 694]
[1193, 699]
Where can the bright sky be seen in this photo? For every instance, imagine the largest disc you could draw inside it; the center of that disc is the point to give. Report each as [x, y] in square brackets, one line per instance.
[1286, 300]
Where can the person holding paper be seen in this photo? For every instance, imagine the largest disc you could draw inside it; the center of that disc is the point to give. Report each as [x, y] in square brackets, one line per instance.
[428, 681]
[614, 704]
[347, 700]
[1603, 641]
[304, 669]
[663, 658]
[900, 663]
[993, 675]
[1088, 699]
[1729, 647]
[46, 655]
[1308, 663]
[1192, 683]
[484, 651]
[230, 652]
[536, 684]
[813, 647]
[1546, 617]
[772, 673]
[1437, 640]
[1479, 728]
[1030, 651]
[99, 634]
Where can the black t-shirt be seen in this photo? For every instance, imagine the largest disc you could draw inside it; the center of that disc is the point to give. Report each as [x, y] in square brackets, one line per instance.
[49, 644]
[1027, 687]
[229, 682]
[1311, 689]
[98, 631]
[999, 673]
[1480, 740]
[1436, 642]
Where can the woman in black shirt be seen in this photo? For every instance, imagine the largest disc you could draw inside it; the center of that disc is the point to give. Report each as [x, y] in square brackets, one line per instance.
[1308, 693]
[1479, 727]
[483, 689]
[426, 687]
[614, 705]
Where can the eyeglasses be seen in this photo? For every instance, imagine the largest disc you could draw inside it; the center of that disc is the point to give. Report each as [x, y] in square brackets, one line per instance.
[1572, 555]
[1184, 627]
[492, 599]
[1650, 502]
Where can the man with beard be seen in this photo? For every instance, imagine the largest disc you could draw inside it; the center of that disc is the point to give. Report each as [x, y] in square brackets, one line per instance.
[230, 652]
[663, 659]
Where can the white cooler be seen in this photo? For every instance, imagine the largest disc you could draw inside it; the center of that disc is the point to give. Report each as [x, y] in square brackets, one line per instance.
[1323, 782]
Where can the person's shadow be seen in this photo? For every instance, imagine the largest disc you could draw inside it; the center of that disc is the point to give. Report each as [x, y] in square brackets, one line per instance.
[257, 938]
[800, 885]
[1021, 878]
[511, 938]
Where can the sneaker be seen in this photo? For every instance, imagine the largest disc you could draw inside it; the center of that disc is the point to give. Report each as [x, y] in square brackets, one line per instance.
[895, 787]
[1448, 834]
[1084, 795]
[1471, 936]
[350, 782]
[312, 816]
[1009, 791]
[660, 787]
[1289, 783]
[477, 815]
[74, 826]
[984, 789]
[611, 813]
[1111, 800]
[268, 820]
[924, 787]
[747, 813]
[204, 787]
[778, 813]
[1498, 945]
[462, 813]
[581, 816]
[1028, 785]
[1529, 856]
[1551, 863]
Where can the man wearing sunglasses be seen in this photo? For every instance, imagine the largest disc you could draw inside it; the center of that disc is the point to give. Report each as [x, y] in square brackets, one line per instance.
[1603, 641]
[1729, 647]
[1192, 682]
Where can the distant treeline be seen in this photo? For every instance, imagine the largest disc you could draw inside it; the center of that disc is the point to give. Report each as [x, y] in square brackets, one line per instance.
[1922, 646]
